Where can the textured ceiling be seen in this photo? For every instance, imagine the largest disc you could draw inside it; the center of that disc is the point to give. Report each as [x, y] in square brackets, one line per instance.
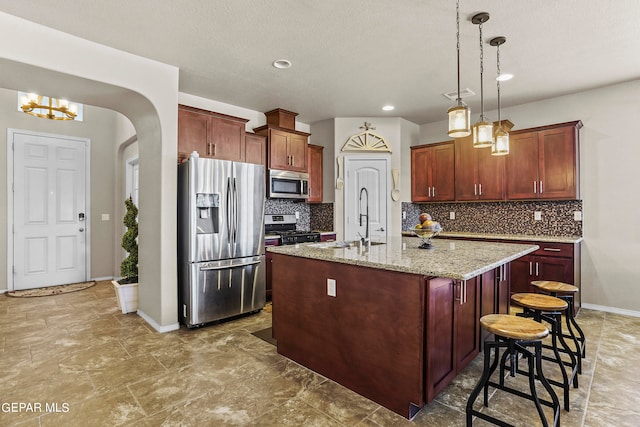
[350, 57]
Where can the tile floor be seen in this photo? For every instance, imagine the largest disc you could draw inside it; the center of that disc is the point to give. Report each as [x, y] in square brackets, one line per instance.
[86, 364]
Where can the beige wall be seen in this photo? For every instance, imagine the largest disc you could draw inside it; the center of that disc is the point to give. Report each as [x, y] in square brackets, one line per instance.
[144, 91]
[99, 126]
[609, 176]
[399, 135]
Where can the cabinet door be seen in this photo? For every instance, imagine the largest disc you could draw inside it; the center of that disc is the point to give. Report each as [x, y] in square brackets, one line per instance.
[488, 297]
[442, 173]
[268, 273]
[298, 152]
[557, 163]
[466, 161]
[255, 149]
[441, 367]
[227, 139]
[314, 165]
[521, 274]
[278, 149]
[193, 133]
[467, 336]
[490, 175]
[522, 166]
[553, 268]
[420, 175]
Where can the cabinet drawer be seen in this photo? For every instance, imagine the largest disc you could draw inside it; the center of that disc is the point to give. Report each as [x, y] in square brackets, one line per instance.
[564, 250]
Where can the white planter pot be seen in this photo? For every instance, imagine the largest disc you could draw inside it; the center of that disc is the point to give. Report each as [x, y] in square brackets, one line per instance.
[127, 296]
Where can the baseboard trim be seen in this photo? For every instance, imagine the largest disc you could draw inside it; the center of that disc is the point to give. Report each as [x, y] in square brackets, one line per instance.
[156, 326]
[614, 310]
[100, 279]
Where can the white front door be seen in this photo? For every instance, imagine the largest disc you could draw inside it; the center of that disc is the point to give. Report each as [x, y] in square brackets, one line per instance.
[366, 188]
[49, 210]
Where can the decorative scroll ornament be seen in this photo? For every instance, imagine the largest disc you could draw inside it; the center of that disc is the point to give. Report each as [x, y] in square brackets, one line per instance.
[366, 141]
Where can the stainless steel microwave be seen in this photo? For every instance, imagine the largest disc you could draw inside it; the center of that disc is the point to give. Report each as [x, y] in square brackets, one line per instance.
[288, 185]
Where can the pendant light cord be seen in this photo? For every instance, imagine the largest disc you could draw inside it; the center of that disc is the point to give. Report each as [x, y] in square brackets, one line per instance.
[498, 69]
[458, 46]
[482, 118]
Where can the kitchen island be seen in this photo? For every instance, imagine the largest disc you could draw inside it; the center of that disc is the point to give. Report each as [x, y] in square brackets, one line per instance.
[391, 322]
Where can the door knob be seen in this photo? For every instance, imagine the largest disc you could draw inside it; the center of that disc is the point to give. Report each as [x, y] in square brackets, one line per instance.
[81, 229]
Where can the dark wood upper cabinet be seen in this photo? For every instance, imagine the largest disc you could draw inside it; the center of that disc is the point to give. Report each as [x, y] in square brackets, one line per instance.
[255, 149]
[314, 165]
[479, 175]
[211, 134]
[286, 147]
[543, 163]
[432, 172]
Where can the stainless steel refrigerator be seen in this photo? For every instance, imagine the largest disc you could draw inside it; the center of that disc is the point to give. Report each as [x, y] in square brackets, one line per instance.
[221, 262]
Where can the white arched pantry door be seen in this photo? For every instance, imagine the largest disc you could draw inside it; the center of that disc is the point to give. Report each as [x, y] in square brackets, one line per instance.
[366, 186]
[49, 218]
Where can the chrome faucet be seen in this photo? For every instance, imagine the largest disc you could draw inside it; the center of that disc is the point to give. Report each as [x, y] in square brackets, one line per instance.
[365, 239]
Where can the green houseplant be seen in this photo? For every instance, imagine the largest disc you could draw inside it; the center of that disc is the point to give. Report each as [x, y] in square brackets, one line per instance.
[127, 287]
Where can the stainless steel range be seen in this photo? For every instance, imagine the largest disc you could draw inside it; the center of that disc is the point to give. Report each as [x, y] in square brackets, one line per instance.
[284, 225]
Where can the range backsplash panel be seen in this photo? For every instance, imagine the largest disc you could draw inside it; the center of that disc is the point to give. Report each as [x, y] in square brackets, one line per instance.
[501, 217]
[322, 216]
[284, 206]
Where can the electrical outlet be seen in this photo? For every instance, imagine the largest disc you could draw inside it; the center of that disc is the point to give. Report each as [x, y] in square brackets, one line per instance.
[297, 214]
[452, 215]
[404, 214]
[577, 216]
[537, 215]
[331, 287]
[105, 217]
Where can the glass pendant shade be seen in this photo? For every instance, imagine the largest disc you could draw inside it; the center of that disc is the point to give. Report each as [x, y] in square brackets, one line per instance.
[459, 120]
[500, 146]
[482, 134]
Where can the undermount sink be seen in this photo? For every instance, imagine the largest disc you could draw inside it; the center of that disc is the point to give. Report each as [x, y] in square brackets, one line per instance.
[333, 245]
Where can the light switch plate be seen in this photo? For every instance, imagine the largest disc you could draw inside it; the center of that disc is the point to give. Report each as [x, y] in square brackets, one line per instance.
[537, 215]
[331, 287]
[105, 217]
[452, 215]
[297, 214]
[577, 215]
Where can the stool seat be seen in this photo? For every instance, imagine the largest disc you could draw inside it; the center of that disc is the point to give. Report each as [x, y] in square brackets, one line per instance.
[539, 302]
[551, 286]
[515, 327]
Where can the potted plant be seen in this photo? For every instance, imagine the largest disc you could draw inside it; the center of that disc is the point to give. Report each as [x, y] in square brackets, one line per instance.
[127, 286]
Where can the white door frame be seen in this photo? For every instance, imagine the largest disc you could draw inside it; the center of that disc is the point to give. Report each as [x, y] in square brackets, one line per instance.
[131, 163]
[10, 220]
[346, 159]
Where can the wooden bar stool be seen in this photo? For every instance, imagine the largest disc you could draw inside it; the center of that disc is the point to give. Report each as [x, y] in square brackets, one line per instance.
[549, 309]
[516, 335]
[566, 292]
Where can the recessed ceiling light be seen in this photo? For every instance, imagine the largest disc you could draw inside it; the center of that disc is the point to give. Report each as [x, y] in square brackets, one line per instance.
[282, 63]
[503, 77]
[388, 108]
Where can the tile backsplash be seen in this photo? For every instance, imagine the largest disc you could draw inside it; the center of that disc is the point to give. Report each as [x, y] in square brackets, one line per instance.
[312, 216]
[557, 217]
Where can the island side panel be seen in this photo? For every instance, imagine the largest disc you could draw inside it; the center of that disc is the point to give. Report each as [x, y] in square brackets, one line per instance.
[369, 337]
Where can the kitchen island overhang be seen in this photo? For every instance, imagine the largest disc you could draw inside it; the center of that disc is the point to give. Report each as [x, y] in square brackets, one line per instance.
[403, 320]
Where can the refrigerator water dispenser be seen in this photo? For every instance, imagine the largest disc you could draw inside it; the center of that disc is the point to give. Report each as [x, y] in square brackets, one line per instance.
[207, 205]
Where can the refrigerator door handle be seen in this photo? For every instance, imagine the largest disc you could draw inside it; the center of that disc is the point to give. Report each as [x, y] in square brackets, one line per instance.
[235, 210]
[226, 266]
[227, 212]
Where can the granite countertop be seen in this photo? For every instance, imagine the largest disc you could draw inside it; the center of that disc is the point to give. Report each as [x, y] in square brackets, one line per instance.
[517, 237]
[456, 259]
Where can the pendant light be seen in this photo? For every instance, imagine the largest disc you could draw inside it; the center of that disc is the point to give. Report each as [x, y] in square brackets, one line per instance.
[500, 146]
[459, 114]
[483, 129]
